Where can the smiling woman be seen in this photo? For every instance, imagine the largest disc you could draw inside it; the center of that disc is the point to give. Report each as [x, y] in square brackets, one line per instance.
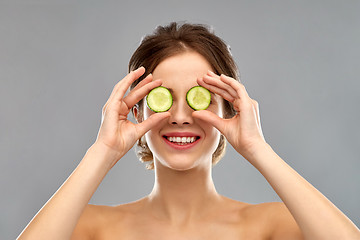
[181, 72]
[178, 39]
[182, 145]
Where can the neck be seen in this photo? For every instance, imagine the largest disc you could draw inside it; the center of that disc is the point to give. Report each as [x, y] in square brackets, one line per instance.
[179, 196]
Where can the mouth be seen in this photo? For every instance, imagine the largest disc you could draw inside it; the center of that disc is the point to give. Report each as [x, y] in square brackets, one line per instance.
[181, 140]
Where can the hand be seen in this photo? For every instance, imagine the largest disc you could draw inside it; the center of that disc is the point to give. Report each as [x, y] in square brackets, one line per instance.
[116, 132]
[243, 131]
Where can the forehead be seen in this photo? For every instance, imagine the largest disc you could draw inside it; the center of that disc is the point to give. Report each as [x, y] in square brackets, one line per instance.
[182, 70]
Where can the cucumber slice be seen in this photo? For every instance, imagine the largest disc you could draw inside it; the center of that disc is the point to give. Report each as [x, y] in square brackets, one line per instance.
[159, 99]
[198, 98]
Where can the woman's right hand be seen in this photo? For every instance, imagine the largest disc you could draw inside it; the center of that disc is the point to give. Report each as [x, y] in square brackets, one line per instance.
[116, 132]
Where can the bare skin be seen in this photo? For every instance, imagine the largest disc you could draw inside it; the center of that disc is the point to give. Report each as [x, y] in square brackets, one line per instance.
[184, 203]
[228, 219]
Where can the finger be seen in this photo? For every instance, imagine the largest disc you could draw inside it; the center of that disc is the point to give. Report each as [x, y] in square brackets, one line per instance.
[257, 111]
[135, 96]
[121, 83]
[211, 73]
[256, 104]
[211, 118]
[223, 93]
[126, 82]
[151, 122]
[217, 82]
[238, 87]
[146, 80]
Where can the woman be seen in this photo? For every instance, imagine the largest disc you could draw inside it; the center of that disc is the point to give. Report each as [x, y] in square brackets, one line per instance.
[182, 145]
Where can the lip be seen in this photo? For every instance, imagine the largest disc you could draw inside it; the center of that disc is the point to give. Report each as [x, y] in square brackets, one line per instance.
[181, 134]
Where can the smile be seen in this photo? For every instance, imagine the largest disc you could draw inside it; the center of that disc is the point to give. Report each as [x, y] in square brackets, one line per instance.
[181, 140]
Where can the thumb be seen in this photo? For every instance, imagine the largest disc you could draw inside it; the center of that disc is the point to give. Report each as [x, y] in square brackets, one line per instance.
[211, 118]
[147, 124]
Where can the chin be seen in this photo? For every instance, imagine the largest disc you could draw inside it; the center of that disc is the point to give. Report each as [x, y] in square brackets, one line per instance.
[180, 164]
[181, 167]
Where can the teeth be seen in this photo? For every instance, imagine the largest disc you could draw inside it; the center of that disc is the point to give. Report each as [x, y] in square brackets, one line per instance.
[182, 140]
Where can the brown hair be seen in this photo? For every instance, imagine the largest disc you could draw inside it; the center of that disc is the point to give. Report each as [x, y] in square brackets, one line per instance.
[176, 38]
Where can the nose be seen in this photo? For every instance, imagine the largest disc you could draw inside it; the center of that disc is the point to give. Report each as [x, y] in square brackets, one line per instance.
[180, 113]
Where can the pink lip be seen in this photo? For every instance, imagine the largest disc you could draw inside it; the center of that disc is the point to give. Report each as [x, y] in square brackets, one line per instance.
[181, 134]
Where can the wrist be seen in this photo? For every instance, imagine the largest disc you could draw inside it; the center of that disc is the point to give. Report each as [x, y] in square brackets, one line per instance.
[256, 151]
[105, 154]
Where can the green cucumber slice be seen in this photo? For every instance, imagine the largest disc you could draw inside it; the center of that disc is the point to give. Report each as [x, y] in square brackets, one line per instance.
[198, 98]
[159, 99]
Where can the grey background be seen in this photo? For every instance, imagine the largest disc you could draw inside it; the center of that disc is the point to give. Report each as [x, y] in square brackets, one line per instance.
[59, 61]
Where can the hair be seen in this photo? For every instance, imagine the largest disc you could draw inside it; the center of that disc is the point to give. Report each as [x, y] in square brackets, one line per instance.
[177, 38]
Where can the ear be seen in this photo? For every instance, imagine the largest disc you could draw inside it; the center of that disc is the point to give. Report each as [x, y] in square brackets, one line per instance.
[137, 114]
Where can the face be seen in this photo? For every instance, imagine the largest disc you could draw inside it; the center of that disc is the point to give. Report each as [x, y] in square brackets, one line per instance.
[182, 142]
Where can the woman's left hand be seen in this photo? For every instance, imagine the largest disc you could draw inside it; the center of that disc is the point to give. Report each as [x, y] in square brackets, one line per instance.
[243, 131]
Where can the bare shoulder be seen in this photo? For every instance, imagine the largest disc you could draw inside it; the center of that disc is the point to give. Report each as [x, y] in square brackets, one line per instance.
[103, 222]
[270, 220]
[94, 220]
[255, 221]
[85, 226]
[276, 220]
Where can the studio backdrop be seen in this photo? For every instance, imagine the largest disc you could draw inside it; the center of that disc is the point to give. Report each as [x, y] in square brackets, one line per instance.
[60, 59]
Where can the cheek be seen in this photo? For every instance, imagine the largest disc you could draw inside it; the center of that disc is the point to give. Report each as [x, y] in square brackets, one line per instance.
[153, 142]
[149, 135]
[212, 133]
[214, 140]
[218, 106]
[215, 134]
[148, 138]
[146, 112]
[217, 109]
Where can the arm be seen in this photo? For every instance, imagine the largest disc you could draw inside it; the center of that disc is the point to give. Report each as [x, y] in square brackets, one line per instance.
[316, 216]
[58, 218]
